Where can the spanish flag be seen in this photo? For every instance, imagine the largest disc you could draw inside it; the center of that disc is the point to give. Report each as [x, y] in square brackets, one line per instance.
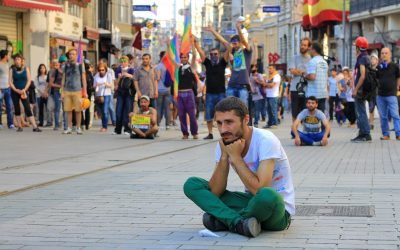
[318, 12]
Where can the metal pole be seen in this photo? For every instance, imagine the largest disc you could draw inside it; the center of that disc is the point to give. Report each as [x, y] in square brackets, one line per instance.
[344, 33]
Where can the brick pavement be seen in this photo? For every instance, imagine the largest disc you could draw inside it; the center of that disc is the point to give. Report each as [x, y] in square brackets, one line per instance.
[139, 204]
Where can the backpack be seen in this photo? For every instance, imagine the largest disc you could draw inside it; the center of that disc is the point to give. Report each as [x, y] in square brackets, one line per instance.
[168, 80]
[301, 87]
[371, 83]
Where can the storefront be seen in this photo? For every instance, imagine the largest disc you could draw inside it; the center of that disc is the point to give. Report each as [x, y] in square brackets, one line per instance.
[65, 33]
[93, 36]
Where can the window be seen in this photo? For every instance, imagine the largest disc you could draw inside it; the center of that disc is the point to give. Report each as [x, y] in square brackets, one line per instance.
[123, 11]
[74, 10]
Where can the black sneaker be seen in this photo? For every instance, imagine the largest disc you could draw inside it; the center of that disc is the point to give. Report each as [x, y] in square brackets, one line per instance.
[249, 227]
[213, 224]
[361, 138]
[209, 137]
[36, 130]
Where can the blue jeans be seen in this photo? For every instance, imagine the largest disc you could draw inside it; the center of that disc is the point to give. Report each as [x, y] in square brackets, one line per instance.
[104, 111]
[111, 110]
[124, 107]
[163, 107]
[9, 106]
[388, 105]
[362, 118]
[263, 107]
[272, 109]
[258, 106]
[211, 101]
[57, 107]
[240, 92]
[310, 138]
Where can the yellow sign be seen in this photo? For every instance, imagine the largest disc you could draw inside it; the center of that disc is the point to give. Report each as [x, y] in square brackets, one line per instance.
[140, 121]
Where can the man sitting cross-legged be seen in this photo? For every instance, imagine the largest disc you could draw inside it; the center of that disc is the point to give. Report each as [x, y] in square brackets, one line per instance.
[144, 120]
[311, 117]
[258, 158]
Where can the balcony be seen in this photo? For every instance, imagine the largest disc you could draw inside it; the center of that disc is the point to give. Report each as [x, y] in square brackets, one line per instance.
[358, 6]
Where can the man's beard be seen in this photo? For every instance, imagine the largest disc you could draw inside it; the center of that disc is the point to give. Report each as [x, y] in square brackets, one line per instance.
[237, 136]
[311, 109]
[303, 51]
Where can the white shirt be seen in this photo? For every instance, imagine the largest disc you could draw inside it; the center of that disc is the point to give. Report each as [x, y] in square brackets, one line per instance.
[274, 92]
[99, 86]
[265, 145]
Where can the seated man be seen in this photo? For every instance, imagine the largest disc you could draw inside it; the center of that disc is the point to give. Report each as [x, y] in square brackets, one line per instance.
[258, 158]
[143, 121]
[311, 117]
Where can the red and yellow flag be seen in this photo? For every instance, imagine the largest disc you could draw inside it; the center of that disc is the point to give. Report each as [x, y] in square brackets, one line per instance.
[318, 12]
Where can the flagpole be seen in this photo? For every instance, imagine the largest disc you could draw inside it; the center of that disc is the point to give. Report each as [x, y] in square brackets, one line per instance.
[344, 34]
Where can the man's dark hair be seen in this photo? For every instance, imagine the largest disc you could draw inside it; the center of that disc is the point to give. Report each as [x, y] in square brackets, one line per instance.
[312, 98]
[146, 54]
[214, 49]
[235, 37]
[162, 53]
[18, 55]
[317, 47]
[333, 69]
[272, 65]
[232, 104]
[3, 53]
[130, 57]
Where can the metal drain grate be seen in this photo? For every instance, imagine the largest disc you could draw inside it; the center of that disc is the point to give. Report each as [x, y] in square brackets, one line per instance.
[349, 211]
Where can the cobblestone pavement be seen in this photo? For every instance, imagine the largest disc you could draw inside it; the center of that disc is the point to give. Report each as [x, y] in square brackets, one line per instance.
[99, 191]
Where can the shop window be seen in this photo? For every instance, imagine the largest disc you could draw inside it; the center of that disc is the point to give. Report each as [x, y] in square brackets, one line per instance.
[123, 11]
[74, 10]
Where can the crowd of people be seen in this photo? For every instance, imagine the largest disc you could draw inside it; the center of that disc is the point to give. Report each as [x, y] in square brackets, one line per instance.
[123, 92]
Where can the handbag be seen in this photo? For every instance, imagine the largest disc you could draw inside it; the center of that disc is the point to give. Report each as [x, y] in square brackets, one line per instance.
[301, 86]
[100, 99]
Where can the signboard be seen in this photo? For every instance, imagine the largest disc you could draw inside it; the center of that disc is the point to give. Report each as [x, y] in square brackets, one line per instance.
[146, 43]
[207, 41]
[230, 32]
[271, 9]
[141, 7]
[140, 121]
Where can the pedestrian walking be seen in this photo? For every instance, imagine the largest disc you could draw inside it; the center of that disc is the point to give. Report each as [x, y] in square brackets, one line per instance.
[102, 84]
[389, 84]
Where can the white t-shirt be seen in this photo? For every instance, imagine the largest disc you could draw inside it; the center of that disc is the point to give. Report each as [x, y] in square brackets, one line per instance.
[99, 86]
[274, 92]
[265, 145]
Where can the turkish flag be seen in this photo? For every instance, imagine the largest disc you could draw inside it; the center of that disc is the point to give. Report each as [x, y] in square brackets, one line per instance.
[270, 58]
[137, 43]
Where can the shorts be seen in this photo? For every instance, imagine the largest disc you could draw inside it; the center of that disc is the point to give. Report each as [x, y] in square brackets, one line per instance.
[72, 101]
[211, 101]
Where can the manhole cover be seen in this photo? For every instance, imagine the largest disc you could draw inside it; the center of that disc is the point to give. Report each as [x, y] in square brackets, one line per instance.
[350, 211]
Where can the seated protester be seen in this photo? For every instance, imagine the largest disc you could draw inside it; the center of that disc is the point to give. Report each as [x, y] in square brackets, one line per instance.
[257, 156]
[311, 117]
[143, 121]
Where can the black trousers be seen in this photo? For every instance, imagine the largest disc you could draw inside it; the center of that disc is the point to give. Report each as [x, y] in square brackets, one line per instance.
[333, 101]
[298, 103]
[16, 98]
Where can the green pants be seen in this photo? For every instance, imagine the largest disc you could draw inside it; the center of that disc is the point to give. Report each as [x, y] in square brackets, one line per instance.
[266, 206]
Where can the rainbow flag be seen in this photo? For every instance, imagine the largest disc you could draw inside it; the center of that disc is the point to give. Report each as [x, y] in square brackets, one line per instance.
[80, 52]
[172, 70]
[187, 33]
[317, 12]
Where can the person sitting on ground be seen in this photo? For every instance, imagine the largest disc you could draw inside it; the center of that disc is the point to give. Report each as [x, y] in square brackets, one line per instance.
[311, 117]
[143, 121]
[259, 159]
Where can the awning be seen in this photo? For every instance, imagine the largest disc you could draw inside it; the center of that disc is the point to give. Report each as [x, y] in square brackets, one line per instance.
[34, 4]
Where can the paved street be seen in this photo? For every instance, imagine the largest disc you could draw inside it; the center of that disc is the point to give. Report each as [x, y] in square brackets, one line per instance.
[99, 191]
